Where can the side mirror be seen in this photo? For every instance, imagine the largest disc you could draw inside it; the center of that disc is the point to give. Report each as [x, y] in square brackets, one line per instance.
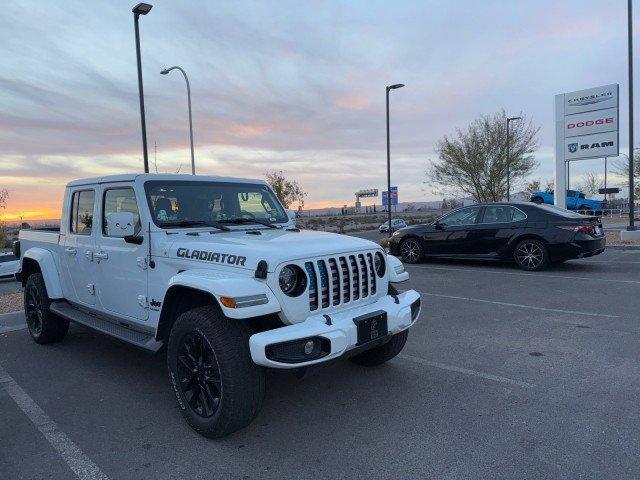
[292, 216]
[120, 225]
[438, 225]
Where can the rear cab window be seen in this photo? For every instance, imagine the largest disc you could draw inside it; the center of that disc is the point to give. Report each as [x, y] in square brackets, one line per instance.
[82, 203]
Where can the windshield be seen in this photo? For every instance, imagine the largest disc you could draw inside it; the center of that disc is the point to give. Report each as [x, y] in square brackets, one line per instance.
[184, 203]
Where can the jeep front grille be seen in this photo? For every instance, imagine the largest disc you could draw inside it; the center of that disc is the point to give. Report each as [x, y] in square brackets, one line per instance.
[341, 279]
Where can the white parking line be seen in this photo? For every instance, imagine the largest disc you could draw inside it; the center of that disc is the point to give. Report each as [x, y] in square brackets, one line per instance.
[466, 371]
[519, 305]
[77, 461]
[13, 328]
[522, 274]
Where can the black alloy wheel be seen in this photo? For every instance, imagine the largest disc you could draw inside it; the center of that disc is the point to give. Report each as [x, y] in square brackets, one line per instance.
[411, 250]
[199, 374]
[531, 255]
[33, 310]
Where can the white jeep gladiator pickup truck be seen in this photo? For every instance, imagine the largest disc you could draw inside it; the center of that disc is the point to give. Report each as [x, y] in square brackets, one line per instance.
[213, 268]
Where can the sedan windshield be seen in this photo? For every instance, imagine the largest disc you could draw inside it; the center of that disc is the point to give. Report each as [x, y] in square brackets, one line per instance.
[175, 203]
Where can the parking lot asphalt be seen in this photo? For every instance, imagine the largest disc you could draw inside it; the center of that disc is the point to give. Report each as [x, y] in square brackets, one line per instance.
[508, 374]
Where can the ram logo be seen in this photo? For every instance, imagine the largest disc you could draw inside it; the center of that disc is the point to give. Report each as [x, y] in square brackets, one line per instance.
[573, 147]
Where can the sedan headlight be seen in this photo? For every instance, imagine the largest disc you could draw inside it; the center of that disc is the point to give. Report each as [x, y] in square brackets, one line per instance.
[293, 280]
[380, 264]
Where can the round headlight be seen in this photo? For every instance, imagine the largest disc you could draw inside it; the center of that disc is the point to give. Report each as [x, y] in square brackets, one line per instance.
[379, 264]
[292, 280]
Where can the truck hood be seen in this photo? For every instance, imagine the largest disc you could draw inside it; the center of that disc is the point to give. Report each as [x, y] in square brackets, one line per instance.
[242, 249]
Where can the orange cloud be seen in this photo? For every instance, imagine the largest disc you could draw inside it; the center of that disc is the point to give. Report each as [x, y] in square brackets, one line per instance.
[353, 101]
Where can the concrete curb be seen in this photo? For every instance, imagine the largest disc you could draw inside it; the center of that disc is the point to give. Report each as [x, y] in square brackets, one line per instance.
[7, 314]
[622, 247]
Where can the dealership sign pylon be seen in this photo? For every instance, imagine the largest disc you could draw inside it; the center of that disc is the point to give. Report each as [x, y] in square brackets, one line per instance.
[586, 127]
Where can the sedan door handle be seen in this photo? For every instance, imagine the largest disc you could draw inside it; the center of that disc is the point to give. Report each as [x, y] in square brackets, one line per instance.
[71, 250]
[101, 255]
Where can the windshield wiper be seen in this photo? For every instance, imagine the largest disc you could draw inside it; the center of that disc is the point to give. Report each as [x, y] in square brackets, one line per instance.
[241, 221]
[194, 223]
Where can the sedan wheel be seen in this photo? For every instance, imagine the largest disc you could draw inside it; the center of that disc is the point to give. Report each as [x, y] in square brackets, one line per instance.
[411, 251]
[531, 255]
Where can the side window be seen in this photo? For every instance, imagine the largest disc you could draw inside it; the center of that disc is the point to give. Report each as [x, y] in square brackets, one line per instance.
[518, 215]
[465, 216]
[82, 212]
[498, 214]
[117, 200]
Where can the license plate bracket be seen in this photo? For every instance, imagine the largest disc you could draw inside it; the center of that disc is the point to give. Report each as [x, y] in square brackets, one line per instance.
[371, 326]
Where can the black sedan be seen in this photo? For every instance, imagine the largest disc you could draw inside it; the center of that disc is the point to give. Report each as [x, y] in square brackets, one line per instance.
[531, 235]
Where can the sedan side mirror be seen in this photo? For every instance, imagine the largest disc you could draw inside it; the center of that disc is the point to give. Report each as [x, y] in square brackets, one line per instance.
[438, 225]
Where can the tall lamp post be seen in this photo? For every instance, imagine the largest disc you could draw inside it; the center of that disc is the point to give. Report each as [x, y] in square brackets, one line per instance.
[141, 9]
[631, 226]
[509, 120]
[186, 79]
[389, 88]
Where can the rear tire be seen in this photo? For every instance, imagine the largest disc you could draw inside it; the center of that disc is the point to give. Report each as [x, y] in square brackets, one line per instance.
[411, 250]
[218, 388]
[44, 326]
[383, 353]
[531, 255]
[538, 201]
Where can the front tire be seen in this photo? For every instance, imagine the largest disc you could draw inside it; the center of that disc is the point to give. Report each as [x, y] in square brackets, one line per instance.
[218, 388]
[411, 250]
[44, 326]
[538, 201]
[531, 255]
[383, 353]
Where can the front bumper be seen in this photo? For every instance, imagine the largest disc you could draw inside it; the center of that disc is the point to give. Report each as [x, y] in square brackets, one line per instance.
[341, 333]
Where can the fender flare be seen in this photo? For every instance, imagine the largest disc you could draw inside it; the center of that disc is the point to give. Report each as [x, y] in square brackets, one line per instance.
[227, 284]
[44, 258]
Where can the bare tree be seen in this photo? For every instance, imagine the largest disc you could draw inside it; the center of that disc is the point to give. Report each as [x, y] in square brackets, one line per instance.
[538, 186]
[475, 163]
[288, 191]
[4, 198]
[591, 183]
[621, 167]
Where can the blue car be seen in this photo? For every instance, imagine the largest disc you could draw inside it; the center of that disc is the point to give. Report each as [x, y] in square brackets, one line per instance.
[575, 200]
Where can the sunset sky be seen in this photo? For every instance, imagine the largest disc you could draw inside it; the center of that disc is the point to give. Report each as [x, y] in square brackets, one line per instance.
[297, 86]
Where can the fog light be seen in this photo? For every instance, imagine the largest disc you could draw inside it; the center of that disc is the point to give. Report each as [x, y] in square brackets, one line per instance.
[308, 347]
[298, 351]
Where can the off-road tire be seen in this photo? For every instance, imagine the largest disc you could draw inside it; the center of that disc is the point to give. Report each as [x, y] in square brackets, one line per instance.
[242, 382]
[539, 255]
[382, 354]
[44, 326]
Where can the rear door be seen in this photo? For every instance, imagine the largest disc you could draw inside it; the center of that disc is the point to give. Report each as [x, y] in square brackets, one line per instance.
[497, 227]
[78, 247]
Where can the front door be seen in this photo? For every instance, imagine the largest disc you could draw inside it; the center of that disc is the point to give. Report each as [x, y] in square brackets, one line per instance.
[78, 248]
[122, 274]
[454, 234]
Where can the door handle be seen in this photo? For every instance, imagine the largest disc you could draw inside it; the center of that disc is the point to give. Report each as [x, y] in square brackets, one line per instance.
[71, 250]
[101, 255]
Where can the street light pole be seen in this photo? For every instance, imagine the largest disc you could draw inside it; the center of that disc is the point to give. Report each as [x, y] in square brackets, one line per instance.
[508, 159]
[186, 79]
[631, 226]
[388, 89]
[141, 9]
